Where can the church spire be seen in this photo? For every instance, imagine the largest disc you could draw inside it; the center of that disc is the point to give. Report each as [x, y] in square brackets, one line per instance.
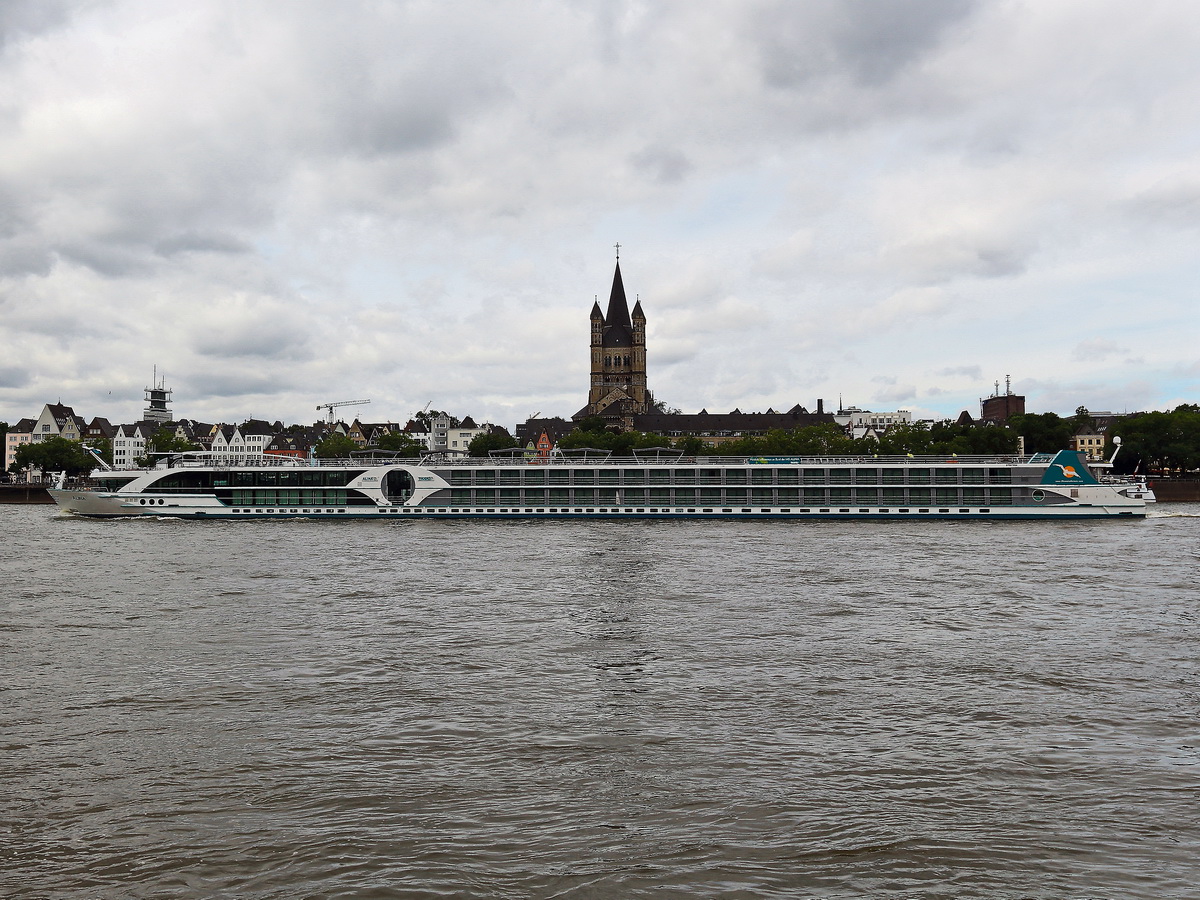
[618, 307]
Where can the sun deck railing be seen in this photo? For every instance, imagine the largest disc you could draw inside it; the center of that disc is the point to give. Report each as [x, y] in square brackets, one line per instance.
[556, 460]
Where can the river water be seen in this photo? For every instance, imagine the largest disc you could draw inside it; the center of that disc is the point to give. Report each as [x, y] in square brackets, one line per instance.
[599, 709]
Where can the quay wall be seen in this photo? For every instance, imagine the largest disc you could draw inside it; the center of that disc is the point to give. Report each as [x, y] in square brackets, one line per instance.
[1172, 490]
[23, 493]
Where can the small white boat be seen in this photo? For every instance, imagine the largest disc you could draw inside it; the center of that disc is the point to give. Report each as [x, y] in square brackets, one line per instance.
[1134, 486]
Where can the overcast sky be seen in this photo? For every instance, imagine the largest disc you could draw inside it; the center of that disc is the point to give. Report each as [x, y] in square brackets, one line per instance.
[282, 204]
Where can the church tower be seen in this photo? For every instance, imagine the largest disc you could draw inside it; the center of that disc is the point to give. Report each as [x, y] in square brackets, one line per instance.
[618, 356]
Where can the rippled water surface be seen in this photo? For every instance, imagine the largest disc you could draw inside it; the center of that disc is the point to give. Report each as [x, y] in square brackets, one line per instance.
[603, 709]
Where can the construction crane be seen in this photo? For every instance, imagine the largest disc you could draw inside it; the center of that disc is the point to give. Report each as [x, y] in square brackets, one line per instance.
[330, 406]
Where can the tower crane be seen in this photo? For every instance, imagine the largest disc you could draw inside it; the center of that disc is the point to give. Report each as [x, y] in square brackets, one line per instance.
[330, 406]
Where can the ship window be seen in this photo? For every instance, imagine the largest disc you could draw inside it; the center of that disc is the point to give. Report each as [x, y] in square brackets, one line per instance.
[585, 476]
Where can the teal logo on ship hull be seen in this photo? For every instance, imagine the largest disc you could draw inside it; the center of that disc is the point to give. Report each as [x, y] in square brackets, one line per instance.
[1068, 468]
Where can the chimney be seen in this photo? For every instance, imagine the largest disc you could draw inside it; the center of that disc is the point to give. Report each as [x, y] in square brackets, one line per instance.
[820, 406]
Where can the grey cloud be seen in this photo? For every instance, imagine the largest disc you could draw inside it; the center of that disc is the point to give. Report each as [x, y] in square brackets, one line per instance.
[872, 41]
[661, 164]
[973, 372]
[279, 342]
[21, 19]
[12, 377]
[201, 243]
[878, 40]
[236, 384]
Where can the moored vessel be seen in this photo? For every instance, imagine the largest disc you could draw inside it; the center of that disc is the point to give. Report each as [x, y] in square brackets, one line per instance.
[654, 484]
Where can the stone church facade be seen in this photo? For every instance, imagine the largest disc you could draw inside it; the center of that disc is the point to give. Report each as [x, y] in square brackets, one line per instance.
[618, 391]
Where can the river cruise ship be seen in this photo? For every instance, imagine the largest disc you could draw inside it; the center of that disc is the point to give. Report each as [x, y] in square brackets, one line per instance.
[593, 485]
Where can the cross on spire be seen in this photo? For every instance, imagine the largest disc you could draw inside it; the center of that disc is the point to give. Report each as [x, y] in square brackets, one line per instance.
[618, 246]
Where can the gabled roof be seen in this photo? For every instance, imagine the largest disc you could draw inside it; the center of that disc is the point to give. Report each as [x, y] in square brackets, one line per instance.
[25, 426]
[257, 426]
[61, 413]
[103, 426]
[468, 422]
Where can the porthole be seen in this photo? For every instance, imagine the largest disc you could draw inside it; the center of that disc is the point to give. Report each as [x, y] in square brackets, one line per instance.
[1039, 496]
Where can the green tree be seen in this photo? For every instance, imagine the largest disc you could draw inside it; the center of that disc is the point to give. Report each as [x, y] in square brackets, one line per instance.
[483, 444]
[1162, 440]
[54, 454]
[398, 442]
[1043, 432]
[692, 445]
[335, 446]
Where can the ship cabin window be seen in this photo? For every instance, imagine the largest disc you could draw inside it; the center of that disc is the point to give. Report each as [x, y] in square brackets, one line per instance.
[1000, 476]
[660, 476]
[735, 476]
[610, 476]
[839, 476]
[893, 476]
[559, 476]
[972, 476]
[485, 476]
[918, 476]
[945, 476]
[535, 476]
[585, 476]
[509, 476]
[762, 476]
[788, 476]
[635, 476]
[685, 476]
[183, 483]
[460, 477]
[866, 476]
[710, 476]
[919, 496]
[839, 495]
